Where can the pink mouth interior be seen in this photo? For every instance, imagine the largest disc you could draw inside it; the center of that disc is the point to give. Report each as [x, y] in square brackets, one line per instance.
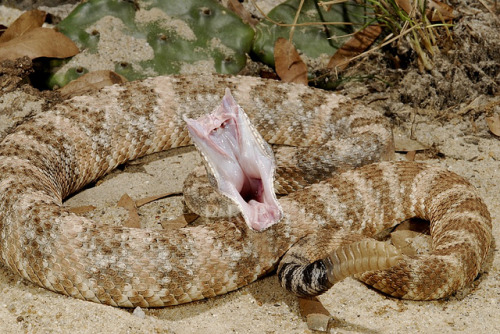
[239, 159]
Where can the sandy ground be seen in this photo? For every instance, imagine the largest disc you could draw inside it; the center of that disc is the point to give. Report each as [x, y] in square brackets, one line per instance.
[264, 307]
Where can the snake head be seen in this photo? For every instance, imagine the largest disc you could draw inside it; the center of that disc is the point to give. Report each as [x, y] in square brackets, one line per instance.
[239, 162]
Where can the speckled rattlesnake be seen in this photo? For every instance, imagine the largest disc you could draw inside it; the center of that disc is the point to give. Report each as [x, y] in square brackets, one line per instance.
[58, 152]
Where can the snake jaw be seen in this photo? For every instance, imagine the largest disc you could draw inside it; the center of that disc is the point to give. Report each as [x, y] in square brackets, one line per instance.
[239, 162]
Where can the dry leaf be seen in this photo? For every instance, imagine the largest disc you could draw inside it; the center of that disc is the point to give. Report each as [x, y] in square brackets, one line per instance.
[133, 217]
[404, 5]
[316, 314]
[80, 210]
[24, 23]
[402, 143]
[91, 82]
[288, 63]
[173, 224]
[181, 221]
[190, 217]
[439, 11]
[410, 155]
[126, 202]
[245, 15]
[39, 42]
[358, 43]
[436, 10]
[142, 201]
[494, 124]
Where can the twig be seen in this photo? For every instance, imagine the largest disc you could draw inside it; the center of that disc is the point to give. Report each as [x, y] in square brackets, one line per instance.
[330, 3]
[295, 19]
[299, 24]
[488, 8]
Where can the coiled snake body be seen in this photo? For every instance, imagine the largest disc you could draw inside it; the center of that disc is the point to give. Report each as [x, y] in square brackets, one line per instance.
[58, 152]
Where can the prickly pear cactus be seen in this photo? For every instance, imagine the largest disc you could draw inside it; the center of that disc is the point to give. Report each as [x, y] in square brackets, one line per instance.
[313, 41]
[144, 38]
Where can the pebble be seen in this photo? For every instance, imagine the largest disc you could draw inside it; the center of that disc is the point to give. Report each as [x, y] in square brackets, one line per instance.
[139, 313]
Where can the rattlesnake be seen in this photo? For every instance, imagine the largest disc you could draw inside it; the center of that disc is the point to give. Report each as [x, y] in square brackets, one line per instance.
[58, 152]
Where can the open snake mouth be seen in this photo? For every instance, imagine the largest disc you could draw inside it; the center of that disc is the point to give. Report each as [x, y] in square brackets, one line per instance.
[239, 162]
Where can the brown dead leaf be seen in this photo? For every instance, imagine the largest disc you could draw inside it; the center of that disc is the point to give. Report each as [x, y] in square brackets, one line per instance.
[128, 204]
[245, 15]
[436, 10]
[143, 201]
[358, 43]
[439, 11]
[39, 42]
[173, 224]
[181, 221]
[316, 314]
[80, 210]
[288, 63]
[410, 155]
[403, 143]
[91, 82]
[404, 5]
[24, 23]
[494, 124]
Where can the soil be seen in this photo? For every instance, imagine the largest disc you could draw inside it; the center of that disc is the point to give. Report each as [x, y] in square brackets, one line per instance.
[441, 112]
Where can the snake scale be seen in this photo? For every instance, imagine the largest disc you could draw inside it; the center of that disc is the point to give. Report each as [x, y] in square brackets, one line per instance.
[58, 152]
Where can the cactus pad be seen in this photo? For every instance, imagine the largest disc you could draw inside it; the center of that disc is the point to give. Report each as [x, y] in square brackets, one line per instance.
[153, 37]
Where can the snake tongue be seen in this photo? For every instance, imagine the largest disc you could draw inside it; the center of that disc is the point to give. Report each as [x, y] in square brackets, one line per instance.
[239, 162]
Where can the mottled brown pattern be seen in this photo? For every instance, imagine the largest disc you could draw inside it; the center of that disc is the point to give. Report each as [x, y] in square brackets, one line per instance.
[377, 197]
[86, 137]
